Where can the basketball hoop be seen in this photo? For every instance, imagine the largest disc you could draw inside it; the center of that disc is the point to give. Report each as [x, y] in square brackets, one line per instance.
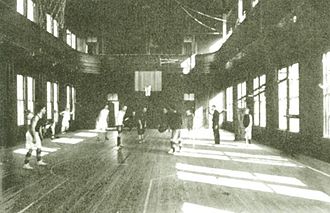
[147, 90]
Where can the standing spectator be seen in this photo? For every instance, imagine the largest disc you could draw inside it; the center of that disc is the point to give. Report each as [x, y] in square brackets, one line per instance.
[175, 123]
[215, 123]
[102, 121]
[66, 116]
[247, 123]
[119, 124]
[163, 123]
[142, 124]
[190, 121]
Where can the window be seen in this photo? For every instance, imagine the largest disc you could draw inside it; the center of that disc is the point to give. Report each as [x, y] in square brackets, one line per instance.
[55, 28]
[229, 103]
[30, 10]
[259, 99]
[68, 97]
[241, 95]
[25, 97]
[241, 12]
[146, 78]
[26, 8]
[288, 98]
[112, 97]
[73, 41]
[55, 93]
[20, 100]
[326, 95]
[68, 37]
[49, 100]
[254, 2]
[189, 97]
[30, 94]
[49, 22]
[20, 7]
[73, 94]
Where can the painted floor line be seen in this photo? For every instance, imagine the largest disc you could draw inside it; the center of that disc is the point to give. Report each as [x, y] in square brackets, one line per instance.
[318, 171]
[36, 201]
[146, 202]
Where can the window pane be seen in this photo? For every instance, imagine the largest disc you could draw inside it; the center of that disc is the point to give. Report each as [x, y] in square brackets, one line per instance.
[282, 120]
[49, 86]
[294, 71]
[239, 91]
[68, 97]
[55, 92]
[282, 90]
[31, 106]
[294, 124]
[256, 111]
[30, 10]
[49, 110]
[262, 110]
[262, 80]
[282, 74]
[20, 6]
[30, 89]
[49, 21]
[326, 95]
[68, 37]
[20, 87]
[294, 106]
[55, 26]
[229, 103]
[243, 89]
[255, 83]
[73, 103]
[20, 112]
[254, 2]
[73, 41]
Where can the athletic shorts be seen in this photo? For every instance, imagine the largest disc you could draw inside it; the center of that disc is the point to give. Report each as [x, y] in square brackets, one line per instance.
[29, 141]
[176, 135]
[141, 131]
[119, 129]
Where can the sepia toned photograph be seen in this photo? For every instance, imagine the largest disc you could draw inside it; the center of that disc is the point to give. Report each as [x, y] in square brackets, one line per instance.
[164, 106]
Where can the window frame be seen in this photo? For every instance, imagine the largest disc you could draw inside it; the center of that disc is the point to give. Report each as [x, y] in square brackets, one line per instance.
[229, 104]
[288, 97]
[259, 101]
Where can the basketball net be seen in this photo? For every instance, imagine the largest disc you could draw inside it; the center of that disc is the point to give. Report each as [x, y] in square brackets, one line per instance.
[147, 90]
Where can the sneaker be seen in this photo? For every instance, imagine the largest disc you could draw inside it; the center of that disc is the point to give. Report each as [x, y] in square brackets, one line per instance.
[53, 137]
[27, 166]
[121, 145]
[41, 163]
[171, 151]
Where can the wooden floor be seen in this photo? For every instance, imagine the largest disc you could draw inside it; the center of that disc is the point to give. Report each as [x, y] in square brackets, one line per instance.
[86, 175]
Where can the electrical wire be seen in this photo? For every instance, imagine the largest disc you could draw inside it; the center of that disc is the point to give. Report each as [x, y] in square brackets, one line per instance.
[201, 13]
[198, 21]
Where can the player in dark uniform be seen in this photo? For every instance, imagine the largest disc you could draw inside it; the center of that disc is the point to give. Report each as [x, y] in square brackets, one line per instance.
[34, 138]
[175, 124]
[142, 124]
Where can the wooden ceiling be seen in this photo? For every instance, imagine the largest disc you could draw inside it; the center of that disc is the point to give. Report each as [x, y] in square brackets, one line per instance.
[126, 26]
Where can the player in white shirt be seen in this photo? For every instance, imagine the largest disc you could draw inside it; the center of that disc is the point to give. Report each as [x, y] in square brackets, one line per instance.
[102, 121]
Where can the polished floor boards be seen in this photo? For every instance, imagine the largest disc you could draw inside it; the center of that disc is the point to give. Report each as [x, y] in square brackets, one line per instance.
[87, 175]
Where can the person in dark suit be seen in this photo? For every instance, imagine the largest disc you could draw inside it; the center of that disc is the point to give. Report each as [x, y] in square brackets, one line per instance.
[175, 124]
[215, 123]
